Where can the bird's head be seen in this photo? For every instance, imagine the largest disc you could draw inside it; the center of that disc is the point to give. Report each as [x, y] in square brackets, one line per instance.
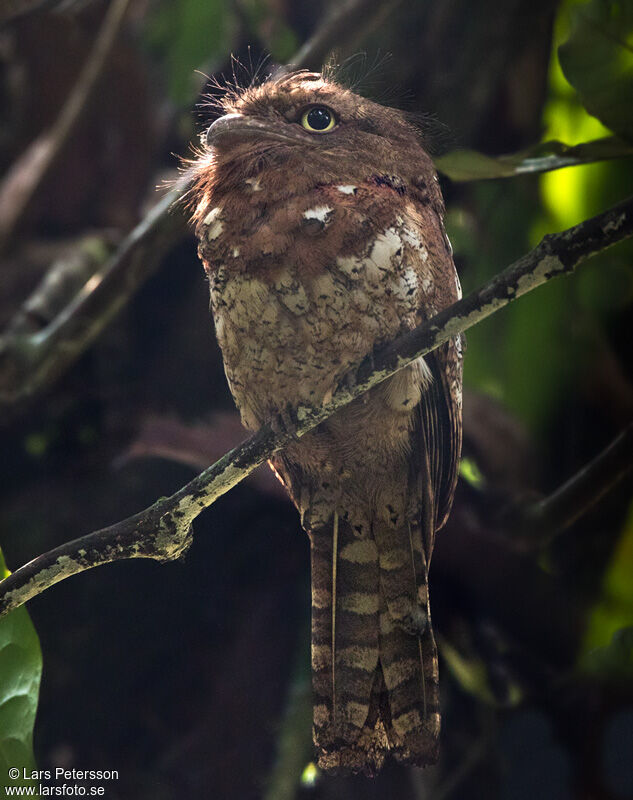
[302, 130]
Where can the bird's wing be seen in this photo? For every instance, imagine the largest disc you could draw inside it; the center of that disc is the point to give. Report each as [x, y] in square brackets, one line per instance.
[437, 435]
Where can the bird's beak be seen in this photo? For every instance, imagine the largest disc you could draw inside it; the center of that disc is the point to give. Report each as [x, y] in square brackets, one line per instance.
[235, 128]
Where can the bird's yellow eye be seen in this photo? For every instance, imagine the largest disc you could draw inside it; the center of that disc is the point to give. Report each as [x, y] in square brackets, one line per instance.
[318, 119]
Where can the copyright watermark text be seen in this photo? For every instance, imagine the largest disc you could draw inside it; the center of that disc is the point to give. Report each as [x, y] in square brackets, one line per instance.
[58, 782]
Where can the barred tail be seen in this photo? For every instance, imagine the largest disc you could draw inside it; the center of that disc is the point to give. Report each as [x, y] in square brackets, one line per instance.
[348, 731]
[409, 666]
[374, 660]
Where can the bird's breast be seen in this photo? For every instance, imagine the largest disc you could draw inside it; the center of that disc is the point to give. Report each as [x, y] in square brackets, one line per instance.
[303, 290]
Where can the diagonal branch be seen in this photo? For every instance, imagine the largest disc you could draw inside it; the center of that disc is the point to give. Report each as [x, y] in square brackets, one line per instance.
[163, 531]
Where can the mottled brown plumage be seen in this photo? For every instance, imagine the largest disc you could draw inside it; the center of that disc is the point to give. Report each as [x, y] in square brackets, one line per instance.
[320, 244]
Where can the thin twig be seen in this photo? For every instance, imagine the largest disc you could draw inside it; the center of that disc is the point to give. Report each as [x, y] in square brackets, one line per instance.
[162, 531]
[544, 520]
[28, 172]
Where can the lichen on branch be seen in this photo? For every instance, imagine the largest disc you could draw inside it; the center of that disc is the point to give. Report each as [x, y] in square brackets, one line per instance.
[162, 531]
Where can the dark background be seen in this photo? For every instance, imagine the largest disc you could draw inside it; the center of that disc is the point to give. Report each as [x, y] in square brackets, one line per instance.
[192, 679]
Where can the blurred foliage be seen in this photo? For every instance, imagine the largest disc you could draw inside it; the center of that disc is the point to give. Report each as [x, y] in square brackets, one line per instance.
[189, 35]
[267, 23]
[472, 673]
[533, 355]
[528, 355]
[294, 740]
[614, 609]
[613, 662]
[20, 674]
[597, 59]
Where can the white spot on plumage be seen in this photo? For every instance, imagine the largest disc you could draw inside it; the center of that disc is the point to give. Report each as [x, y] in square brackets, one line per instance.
[253, 184]
[216, 226]
[320, 213]
[215, 229]
[385, 247]
[212, 215]
[347, 189]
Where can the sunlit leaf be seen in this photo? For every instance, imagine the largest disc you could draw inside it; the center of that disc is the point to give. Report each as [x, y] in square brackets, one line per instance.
[20, 674]
[469, 165]
[597, 60]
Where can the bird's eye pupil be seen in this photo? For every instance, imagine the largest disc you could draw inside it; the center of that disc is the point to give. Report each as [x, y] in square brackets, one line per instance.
[319, 118]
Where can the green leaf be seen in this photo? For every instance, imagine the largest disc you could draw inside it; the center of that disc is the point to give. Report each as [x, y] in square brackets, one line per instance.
[20, 674]
[469, 165]
[597, 60]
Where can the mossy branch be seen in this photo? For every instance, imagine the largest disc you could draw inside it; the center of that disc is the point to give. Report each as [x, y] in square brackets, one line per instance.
[163, 531]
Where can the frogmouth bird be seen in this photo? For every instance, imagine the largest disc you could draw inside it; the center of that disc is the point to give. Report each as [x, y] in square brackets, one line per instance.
[319, 219]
